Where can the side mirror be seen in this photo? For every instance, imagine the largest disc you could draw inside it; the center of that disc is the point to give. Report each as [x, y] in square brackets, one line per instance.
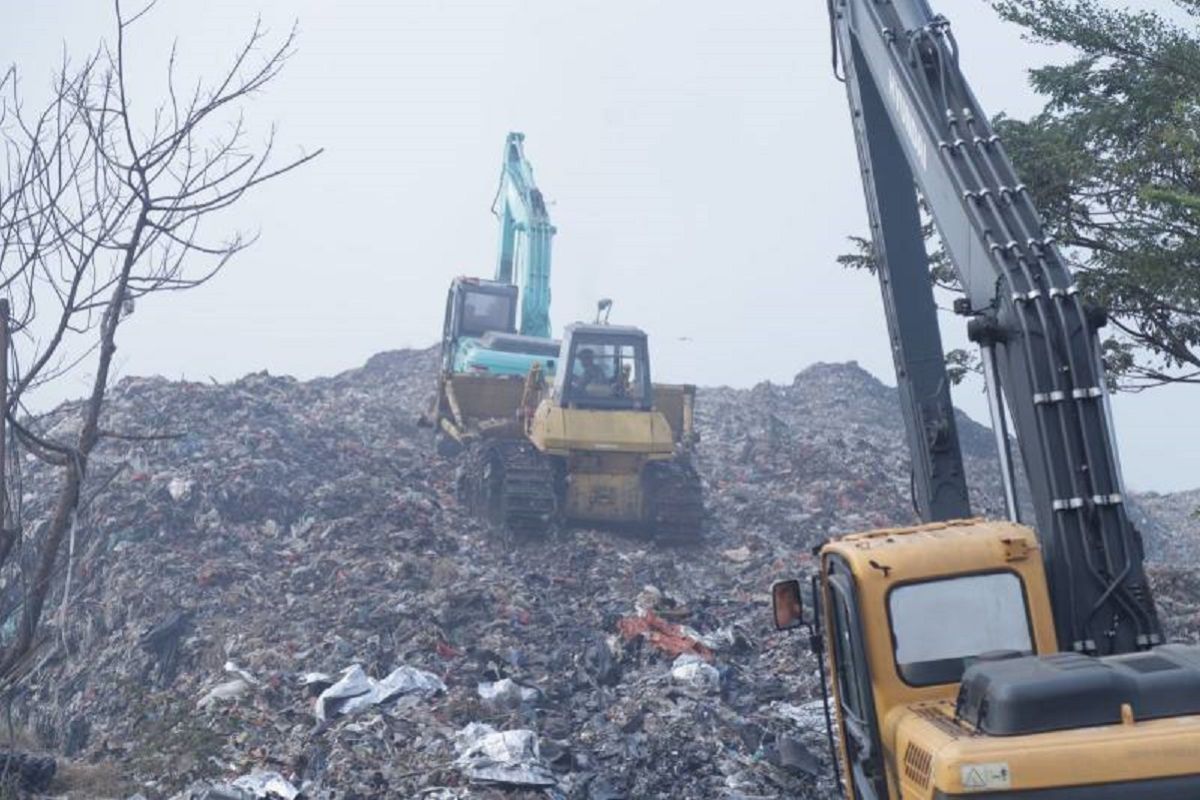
[787, 604]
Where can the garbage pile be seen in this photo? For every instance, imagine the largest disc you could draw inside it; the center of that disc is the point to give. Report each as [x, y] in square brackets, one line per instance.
[1177, 596]
[823, 456]
[280, 598]
[1170, 524]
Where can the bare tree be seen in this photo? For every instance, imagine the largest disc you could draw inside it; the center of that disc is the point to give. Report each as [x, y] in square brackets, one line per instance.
[99, 209]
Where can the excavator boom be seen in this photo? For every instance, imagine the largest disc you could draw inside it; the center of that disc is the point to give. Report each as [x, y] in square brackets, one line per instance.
[525, 236]
[972, 658]
[920, 128]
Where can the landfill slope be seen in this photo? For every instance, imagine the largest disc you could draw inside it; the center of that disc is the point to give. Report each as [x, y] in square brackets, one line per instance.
[228, 576]
[1171, 525]
[822, 456]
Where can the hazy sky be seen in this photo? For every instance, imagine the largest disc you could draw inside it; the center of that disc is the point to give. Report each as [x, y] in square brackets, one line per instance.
[697, 156]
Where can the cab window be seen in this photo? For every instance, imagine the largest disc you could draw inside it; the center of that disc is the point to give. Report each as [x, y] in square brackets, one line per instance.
[483, 312]
[939, 627]
[608, 374]
[850, 684]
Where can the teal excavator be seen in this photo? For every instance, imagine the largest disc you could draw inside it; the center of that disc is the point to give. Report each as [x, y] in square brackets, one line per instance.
[502, 326]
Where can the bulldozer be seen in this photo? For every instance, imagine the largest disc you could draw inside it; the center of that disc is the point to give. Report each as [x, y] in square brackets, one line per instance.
[595, 442]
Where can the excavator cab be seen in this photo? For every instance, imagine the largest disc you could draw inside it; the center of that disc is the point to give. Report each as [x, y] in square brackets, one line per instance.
[475, 307]
[606, 367]
[946, 680]
[479, 335]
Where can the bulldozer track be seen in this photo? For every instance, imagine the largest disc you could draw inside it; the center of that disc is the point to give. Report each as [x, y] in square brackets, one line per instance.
[677, 502]
[510, 485]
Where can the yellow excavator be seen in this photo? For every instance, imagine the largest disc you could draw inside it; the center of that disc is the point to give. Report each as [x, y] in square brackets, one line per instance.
[965, 658]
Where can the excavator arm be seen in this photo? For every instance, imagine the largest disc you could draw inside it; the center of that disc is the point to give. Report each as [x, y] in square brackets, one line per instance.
[920, 129]
[525, 237]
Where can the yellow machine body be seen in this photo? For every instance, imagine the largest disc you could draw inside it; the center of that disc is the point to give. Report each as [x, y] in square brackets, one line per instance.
[604, 452]
[470, 407]
[562, 431]
[605, 487]
[928, 752]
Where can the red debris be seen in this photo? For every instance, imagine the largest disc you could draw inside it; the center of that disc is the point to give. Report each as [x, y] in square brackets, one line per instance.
[666, 636]
[446, 651]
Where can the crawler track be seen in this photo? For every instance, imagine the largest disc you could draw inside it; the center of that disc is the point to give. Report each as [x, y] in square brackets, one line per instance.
[511, 486]
[676, 502]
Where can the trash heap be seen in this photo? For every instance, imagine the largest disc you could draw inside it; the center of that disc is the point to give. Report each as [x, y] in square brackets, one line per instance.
[280, 598]
[823, 456]
[1171, 525]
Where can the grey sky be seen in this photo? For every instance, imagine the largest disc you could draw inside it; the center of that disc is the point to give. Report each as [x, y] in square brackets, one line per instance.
[697, 156]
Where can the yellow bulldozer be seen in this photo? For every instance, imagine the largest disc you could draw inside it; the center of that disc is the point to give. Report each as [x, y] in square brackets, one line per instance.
[583, 438]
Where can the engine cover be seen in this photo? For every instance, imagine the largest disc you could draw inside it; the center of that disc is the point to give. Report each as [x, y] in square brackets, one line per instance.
[1036, 694]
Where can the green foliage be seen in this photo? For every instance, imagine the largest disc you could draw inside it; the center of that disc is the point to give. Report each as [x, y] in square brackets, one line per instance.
[862, 257]
[1113, 162]
[941, 270]
[961, 363]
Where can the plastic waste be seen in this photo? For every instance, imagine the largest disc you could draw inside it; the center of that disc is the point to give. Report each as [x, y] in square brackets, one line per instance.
[356, 691]
[230, 690]
[505, 693]
[693, 671]
[179, 489]
[510, 758]
[256, 785]
[264, 785]
[666, 636]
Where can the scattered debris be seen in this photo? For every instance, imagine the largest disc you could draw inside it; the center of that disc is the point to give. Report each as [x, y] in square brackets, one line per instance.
[33, 772]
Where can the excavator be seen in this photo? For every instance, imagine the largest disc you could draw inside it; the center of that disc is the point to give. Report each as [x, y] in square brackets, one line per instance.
[969, 658]
[498, 327]
[550, 431]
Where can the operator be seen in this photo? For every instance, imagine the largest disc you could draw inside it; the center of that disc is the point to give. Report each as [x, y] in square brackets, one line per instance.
[591, 374]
